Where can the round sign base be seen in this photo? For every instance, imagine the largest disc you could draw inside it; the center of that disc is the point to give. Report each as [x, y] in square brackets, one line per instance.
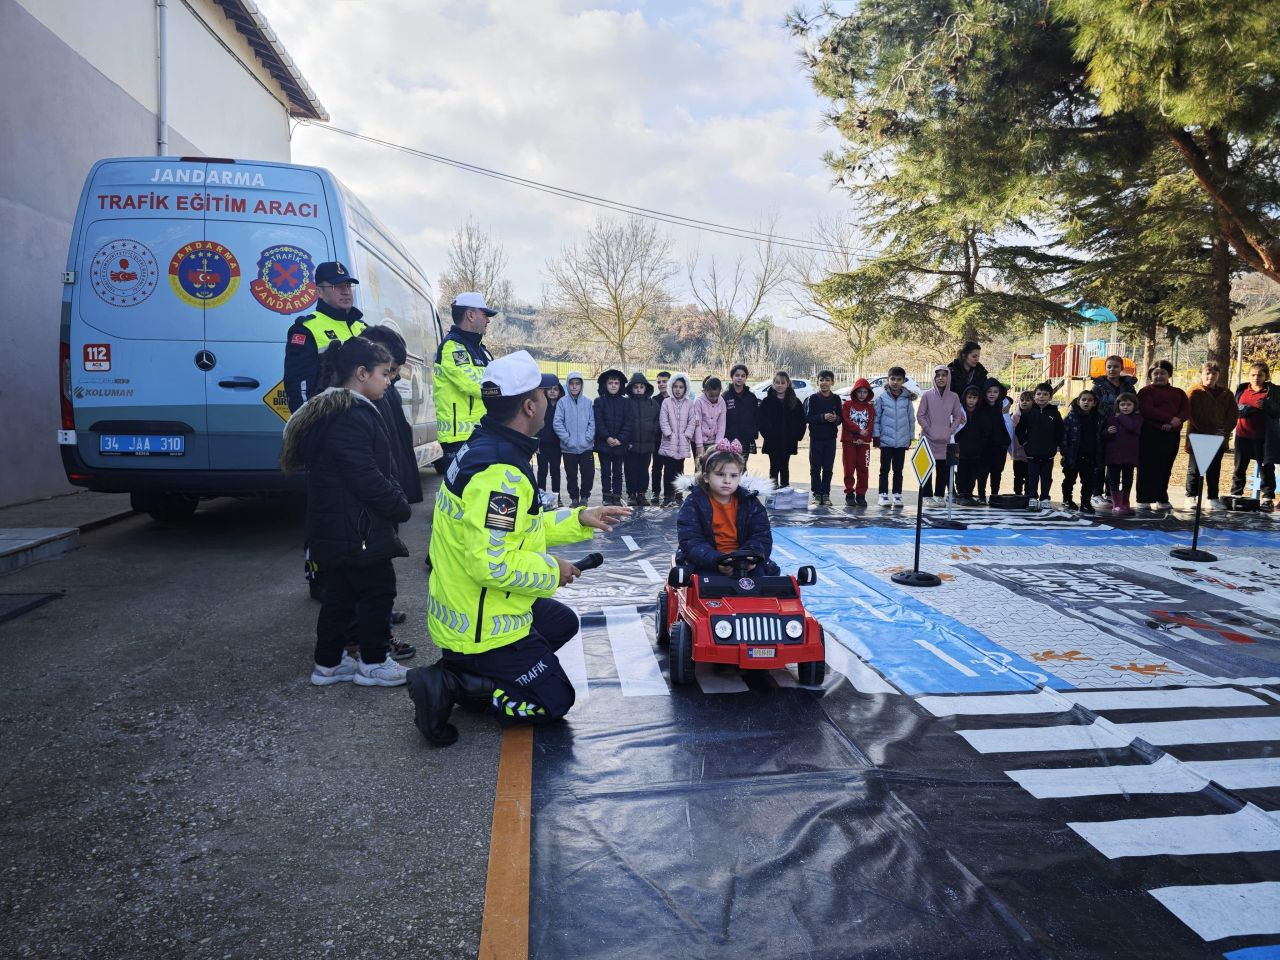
[916, 578]
[1195, 556]
[947, 524]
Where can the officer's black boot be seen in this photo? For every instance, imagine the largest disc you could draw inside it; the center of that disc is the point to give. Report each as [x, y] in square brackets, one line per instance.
[471, 691]
[432, 691]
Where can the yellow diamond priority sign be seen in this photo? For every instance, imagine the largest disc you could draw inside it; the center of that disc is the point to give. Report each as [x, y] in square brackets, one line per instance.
[278, 401]
[923, 461]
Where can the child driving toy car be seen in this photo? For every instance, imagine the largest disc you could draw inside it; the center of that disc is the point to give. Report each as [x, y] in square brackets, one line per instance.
[723, 513]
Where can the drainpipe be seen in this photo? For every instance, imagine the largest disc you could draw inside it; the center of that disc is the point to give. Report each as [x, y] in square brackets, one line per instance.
[162, 77]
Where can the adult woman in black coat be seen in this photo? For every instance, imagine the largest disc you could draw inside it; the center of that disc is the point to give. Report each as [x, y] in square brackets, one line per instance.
[781, 421]
[967, 369]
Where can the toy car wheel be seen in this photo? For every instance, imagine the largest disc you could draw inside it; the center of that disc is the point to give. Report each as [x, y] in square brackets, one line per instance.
[681, 653]
[812, 674]
[664, 629]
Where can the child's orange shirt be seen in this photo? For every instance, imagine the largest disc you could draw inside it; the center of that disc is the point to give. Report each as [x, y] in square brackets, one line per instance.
[724, 524]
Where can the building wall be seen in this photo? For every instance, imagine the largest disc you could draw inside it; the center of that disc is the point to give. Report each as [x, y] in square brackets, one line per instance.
[82, 86]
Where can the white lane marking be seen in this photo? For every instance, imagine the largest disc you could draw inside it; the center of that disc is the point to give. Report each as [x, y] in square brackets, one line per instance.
[649, 571]
[1245, 774]
[842, 659]
[1225, 909]
[1226, 730]
[1057, 701]
[631, 543]
[1102, 733]
[1099, 735]
[1248, 830]
[783, 552]
[1166, 775]
[639, 673]
[715, 679]
[573, 658]
[945, 657]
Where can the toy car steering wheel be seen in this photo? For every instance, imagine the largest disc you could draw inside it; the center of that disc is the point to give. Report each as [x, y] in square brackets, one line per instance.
[740, 560]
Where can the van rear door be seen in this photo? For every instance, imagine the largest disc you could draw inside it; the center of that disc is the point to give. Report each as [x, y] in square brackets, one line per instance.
[137, 388]
[277, 225]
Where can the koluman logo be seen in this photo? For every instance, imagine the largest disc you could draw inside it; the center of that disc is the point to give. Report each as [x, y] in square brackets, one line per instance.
[83, 392]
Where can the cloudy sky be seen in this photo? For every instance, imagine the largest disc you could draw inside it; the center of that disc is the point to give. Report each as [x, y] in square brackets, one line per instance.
[698, 108]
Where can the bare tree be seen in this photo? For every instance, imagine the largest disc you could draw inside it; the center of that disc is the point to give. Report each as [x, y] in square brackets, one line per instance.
[819, 291]
[606, 286]
[476, 262]
[732, 299]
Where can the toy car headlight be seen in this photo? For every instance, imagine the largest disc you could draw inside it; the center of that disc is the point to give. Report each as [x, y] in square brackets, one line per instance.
[723, 629]
[794, 628]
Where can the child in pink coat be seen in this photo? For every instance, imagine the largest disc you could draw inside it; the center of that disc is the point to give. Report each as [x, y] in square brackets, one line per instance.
[940, 415]
[675, 421]
[706, 427]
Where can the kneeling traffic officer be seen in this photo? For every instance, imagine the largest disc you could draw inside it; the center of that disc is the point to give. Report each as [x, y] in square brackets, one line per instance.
[490, 603]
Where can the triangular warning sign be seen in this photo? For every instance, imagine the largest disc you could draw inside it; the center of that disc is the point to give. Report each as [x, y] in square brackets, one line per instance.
[1204, 447]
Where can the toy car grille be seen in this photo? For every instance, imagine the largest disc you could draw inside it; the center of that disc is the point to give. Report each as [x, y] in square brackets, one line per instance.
[757, 629]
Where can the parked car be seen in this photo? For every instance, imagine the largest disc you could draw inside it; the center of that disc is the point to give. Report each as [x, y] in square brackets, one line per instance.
[801, 387]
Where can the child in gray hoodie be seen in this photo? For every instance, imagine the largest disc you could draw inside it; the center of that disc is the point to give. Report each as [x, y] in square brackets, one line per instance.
[575, 425]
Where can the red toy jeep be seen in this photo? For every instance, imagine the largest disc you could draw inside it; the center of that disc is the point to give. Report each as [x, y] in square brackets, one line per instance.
[754, 621]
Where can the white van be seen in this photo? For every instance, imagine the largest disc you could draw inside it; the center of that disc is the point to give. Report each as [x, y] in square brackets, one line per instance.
[183, 276]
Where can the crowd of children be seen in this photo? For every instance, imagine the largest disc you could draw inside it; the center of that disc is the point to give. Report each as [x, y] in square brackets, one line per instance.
[1111, 438]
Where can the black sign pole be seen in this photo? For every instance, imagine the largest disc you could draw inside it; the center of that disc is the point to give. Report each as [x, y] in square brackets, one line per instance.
[1194, 554]
[915, 578]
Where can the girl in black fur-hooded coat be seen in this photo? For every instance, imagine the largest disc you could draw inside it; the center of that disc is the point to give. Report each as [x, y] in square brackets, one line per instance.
[354, 503]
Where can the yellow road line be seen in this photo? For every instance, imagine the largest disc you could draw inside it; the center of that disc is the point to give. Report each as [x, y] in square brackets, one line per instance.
[504, 932]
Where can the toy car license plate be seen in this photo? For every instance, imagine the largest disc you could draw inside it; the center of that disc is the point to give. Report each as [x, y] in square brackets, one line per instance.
[126, 445]
[761, 653]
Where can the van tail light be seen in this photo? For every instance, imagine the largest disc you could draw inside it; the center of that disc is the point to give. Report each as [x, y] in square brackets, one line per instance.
[64, 376]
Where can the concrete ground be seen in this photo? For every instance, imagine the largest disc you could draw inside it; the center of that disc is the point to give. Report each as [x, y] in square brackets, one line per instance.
[172, 786]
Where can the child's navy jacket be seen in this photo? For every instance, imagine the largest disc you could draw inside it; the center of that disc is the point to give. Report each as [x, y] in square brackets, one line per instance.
[697, 539]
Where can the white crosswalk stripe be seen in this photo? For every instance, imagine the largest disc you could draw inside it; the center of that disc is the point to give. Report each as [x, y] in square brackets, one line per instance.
[715, 679]
[1223, 910]
[639, 673]
[1101, 734]
[1166, 775]
[1248, 830]
[1057, 701]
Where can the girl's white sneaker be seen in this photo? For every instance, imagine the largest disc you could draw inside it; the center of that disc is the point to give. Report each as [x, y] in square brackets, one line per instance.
[389, 673]
[345, 670]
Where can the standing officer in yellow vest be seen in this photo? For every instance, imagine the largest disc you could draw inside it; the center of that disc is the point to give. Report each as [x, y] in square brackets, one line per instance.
[335, 320]
[460, 364]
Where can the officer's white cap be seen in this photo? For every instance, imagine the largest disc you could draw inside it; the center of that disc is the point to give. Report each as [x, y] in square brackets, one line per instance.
[473, 299]
[514, 374]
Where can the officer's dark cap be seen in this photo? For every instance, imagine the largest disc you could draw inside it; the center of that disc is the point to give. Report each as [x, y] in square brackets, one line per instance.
[331, 271]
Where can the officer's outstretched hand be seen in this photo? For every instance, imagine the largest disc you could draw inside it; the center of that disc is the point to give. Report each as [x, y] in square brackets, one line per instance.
[603, 518]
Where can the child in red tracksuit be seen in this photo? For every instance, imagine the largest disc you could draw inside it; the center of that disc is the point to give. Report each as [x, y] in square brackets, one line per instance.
[857, 419]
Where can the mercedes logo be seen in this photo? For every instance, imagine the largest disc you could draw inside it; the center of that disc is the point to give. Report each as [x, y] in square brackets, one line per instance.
[206, 360]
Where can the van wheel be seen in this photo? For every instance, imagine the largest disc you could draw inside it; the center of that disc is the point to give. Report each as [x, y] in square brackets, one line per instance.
[681, 653]
[168, 507]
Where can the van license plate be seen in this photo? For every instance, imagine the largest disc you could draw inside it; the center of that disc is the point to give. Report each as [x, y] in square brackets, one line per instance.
[761, 653]
[127, 445]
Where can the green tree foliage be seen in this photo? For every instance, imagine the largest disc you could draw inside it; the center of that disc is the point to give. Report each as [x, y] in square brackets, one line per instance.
[947, 155]
[1205, 75]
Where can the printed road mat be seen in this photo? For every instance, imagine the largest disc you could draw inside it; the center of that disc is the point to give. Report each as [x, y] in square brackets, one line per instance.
[1071, 748]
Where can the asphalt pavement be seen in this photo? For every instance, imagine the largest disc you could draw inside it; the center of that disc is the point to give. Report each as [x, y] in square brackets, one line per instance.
[173, 786]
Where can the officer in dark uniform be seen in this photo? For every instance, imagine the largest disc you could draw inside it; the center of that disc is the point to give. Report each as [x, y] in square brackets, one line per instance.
[334, 321]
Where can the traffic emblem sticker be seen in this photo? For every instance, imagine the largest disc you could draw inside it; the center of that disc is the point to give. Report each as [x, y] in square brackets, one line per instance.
[204, 273]
[124, 273]
[285, 279]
